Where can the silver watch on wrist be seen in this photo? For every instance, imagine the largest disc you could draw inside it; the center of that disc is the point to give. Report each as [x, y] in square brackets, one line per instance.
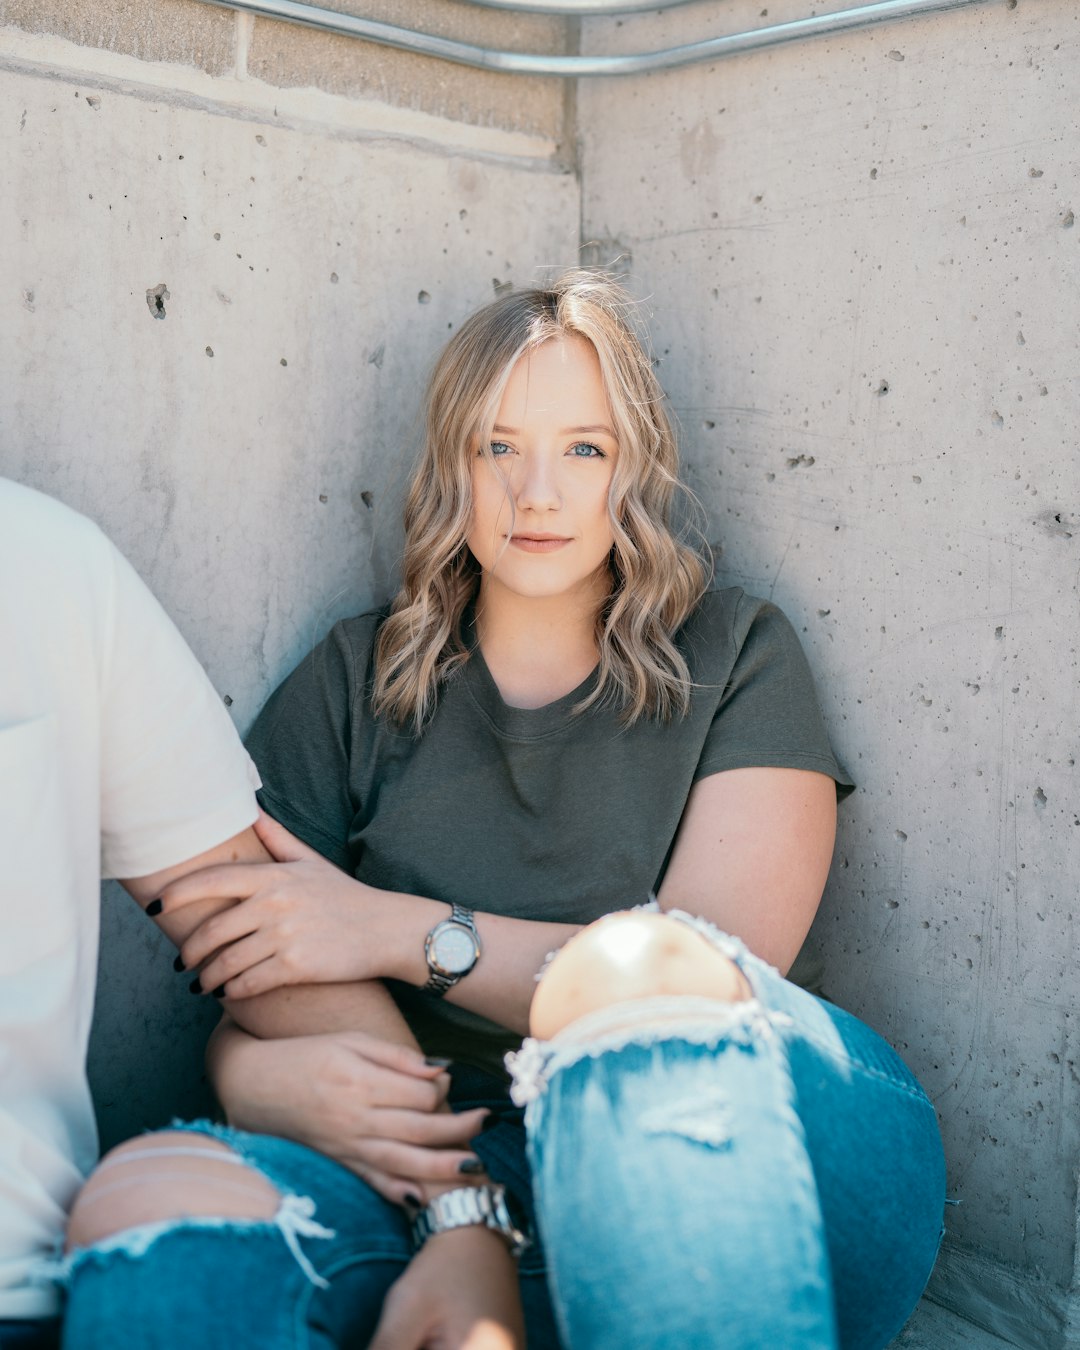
[470, 1207]
[452, 948]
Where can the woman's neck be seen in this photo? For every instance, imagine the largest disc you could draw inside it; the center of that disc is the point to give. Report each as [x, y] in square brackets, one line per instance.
[537, 650]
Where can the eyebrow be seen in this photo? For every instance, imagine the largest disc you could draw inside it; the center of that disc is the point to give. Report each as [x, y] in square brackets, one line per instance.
[564, 431]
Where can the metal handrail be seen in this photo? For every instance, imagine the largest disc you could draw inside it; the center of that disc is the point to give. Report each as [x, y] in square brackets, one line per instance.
[633, 63]
[571, 9]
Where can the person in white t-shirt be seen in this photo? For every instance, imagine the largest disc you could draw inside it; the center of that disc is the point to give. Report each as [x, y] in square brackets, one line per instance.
[117, 759]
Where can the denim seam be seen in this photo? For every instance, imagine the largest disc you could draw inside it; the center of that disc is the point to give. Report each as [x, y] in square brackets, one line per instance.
[856, 1065]
[369, 1256]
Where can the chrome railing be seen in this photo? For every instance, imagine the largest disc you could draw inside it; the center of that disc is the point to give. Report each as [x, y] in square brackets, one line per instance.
[632, 63]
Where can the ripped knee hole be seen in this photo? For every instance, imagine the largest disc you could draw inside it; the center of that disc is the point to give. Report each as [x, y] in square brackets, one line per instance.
[161, 1177]
[627, 957]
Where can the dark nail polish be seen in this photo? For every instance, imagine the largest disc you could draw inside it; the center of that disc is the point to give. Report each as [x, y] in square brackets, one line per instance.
[471, 1167]
[153, 908]
[178, 964]
[219, 992]
[412, 1203]
[195, 987]
[437, 1062]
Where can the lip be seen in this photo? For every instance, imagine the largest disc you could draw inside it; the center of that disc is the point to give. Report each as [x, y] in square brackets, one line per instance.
[539, 543]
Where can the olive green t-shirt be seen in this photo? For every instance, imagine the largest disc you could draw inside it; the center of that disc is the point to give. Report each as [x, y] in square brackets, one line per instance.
[539, 813]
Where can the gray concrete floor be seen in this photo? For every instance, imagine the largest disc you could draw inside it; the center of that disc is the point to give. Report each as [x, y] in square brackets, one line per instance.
[933, 1328]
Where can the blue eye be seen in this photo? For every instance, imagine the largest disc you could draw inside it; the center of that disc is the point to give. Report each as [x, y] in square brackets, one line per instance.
[500, 448]
[586, 450]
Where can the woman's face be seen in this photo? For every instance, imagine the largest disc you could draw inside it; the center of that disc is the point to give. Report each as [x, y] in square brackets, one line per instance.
[540, 524]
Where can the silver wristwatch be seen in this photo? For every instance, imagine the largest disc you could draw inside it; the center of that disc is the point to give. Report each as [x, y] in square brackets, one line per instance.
[452, 948]
[469, 1207]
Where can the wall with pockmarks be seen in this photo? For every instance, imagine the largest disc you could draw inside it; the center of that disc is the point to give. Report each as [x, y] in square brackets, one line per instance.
[863, 268]
[221, 288]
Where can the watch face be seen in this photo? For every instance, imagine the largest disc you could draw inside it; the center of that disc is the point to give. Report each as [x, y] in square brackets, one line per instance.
[454, 950]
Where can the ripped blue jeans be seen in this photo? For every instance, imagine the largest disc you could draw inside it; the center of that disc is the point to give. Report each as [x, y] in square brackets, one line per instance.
[764, 1175]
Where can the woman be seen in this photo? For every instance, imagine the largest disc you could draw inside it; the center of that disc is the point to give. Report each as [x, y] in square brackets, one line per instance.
[554, 719]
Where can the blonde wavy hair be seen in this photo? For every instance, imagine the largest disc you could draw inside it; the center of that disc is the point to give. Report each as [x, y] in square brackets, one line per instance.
[657, 578]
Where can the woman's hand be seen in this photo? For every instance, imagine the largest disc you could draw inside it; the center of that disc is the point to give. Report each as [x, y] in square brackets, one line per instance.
[459, 1292]
[297, 920]
[372, 1106]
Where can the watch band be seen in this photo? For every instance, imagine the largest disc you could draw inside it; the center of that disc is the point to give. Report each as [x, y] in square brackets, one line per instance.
[438, 984]
[459, 914]
[469, 1207]
[439, 981]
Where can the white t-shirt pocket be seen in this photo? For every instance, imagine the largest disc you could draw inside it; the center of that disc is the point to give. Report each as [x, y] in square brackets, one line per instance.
[35, 866]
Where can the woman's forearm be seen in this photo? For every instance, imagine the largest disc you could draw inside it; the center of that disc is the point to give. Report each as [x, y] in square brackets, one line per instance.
[305, 947]
[501, 984]
[309, 1009]
[233, 1071]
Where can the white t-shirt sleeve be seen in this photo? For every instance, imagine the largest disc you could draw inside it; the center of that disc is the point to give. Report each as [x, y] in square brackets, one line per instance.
[175, 779]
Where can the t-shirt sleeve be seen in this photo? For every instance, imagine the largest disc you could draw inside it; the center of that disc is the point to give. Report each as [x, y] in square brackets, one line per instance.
[175, 779]
[301, 743]
[768, 713]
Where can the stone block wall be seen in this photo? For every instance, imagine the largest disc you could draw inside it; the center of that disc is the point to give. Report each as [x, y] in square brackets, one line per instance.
[226, 43]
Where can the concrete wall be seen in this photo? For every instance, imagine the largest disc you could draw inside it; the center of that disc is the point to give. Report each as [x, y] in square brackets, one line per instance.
[864, 271]
[245, 444]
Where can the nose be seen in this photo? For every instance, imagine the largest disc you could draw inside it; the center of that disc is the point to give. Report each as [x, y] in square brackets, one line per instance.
[537, 488]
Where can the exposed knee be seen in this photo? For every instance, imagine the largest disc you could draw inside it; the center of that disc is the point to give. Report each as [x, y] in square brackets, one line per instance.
[173, 1175]
[630, 956]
